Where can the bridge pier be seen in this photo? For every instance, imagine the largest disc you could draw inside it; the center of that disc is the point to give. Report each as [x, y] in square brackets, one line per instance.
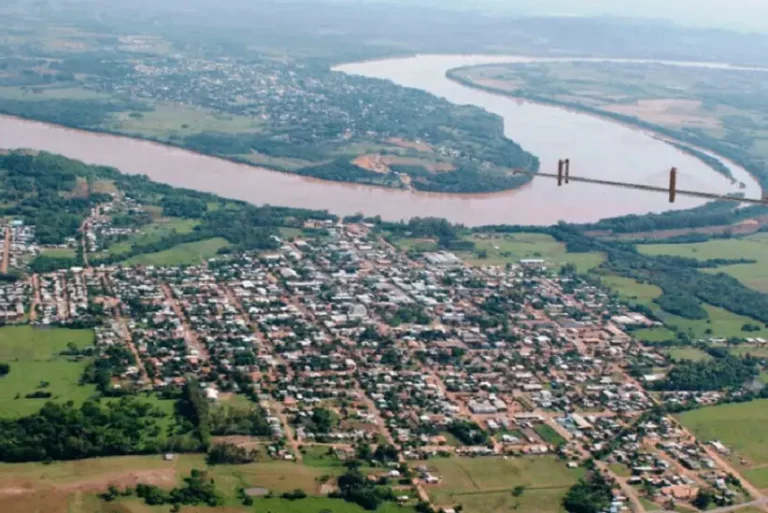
[567, 169]
[672, 184]
[560, 168]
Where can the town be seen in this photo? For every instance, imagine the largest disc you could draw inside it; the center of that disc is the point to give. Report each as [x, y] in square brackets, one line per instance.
[346, 341]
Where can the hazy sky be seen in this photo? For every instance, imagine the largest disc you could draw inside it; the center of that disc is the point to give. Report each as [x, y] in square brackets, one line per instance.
[741, 14]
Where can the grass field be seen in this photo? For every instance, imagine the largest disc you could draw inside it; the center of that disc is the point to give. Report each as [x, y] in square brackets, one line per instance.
[689, 353]
[154, 232]
[484, 485]
[548, 434]
[752, 247]
[183, 254]
[741, 427]
[33, 355]
[510, 248]
[177, 120]
[59, 252]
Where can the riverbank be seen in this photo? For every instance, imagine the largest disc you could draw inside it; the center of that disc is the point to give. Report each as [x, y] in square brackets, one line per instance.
[686, 142]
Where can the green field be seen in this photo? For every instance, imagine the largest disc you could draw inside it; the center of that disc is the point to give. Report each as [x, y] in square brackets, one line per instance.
[722, 322]
[753, 247]
[70, 487]
[184, 254]
[33, 355]
[484, 485]
[59, 252]
[689, 353]
[741, 427]
[154, 232]
[548, 434]
[177, 120]
[511, 248]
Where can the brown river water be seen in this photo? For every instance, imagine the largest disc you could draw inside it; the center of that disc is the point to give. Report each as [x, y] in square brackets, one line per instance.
[598, 148]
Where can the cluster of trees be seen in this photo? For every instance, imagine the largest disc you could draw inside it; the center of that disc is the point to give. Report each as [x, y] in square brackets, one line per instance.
[408, 314]
[182, 205]
[230, 420]
[468, 433]
[198, 490]
[727, 372]
[591, 495]
[230, 454]
[114, 361]
[64, 432]
[194, 406]
[354, 486]
[718, 213]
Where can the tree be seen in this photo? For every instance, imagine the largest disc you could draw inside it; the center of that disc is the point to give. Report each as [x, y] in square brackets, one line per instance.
[703, 499]
[323, 420]
[518, 491]
[588, 496]
[4, 369]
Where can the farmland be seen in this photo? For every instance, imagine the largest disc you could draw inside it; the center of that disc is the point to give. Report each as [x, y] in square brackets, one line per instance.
[483, 485]
[33, 355]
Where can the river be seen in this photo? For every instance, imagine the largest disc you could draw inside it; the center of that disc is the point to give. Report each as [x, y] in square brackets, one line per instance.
[597, 148]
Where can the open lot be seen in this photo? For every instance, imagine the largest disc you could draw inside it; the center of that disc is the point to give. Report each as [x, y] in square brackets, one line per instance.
[33, 355]
[484, 485]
